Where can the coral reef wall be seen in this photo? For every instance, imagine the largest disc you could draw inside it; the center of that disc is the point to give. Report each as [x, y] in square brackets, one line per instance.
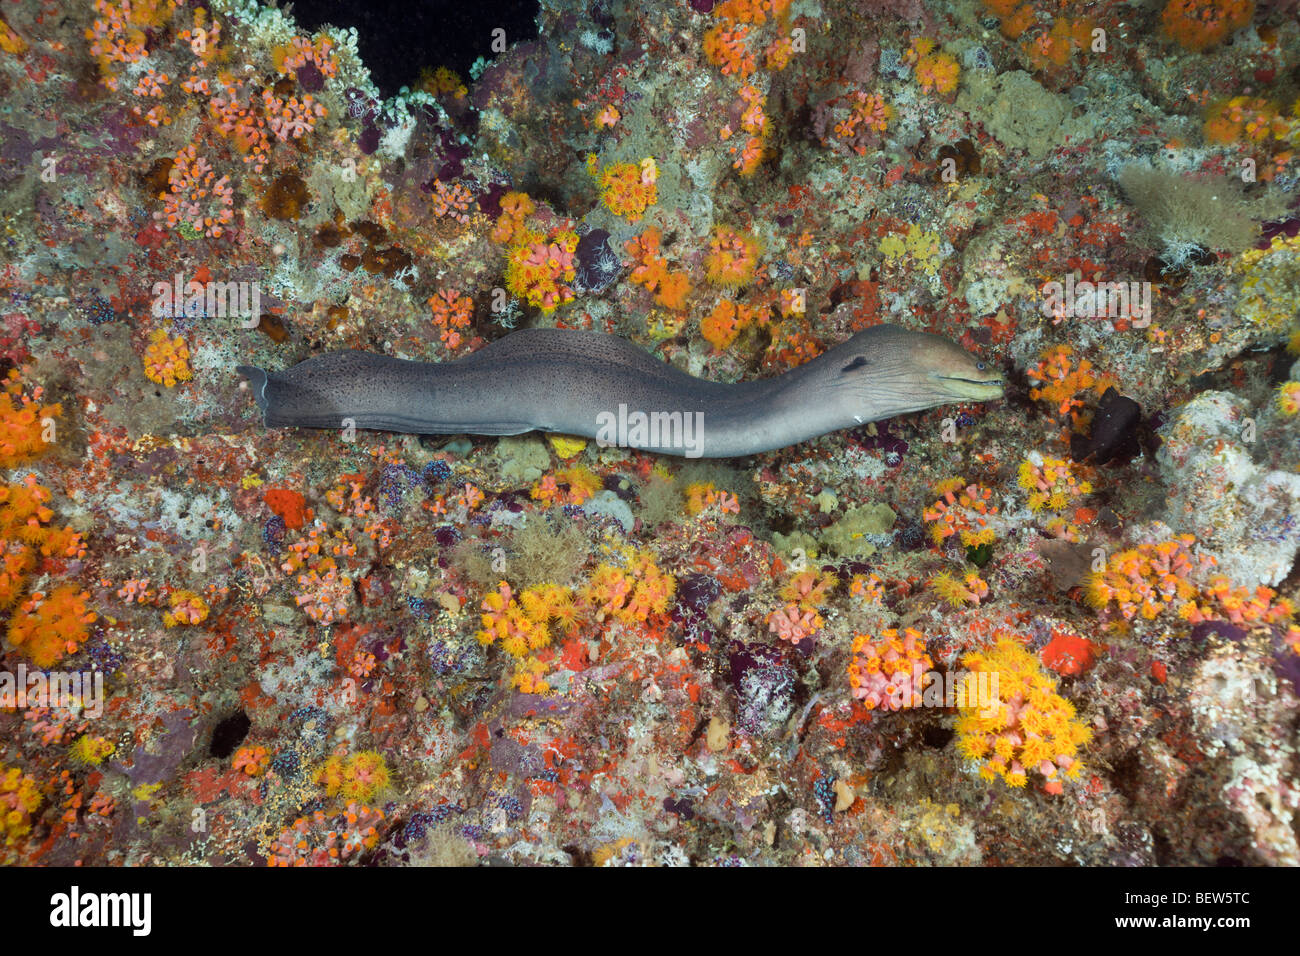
[1054, 628]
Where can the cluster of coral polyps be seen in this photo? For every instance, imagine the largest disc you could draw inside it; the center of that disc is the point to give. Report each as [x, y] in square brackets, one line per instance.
[1198, 24]
[886, 672]
[452, 314]
[48, 627]
[322, 840]
[628, 189]
[962, 510]
[186, 609]
[540, 268]
[19, 798]
[44, 625]
[1150, 579]
[25, 421]
[167, 359]
[1059, 380]
[650, 269]
[936, 70]
[198, 201]
[1024, 726]
[1051, 482]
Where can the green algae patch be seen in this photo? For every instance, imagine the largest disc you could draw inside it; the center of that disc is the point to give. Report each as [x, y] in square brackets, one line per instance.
[523, 458]
[856, 535]
[1021, 114]
[850, 537]
[788, 545]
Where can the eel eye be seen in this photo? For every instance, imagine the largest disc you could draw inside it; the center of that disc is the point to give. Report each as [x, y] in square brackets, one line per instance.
[979, 366]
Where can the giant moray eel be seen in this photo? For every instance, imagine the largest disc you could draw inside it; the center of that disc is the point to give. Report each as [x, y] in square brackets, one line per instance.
[604, 387]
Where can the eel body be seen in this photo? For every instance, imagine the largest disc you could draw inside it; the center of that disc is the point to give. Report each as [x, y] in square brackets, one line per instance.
[604, 387]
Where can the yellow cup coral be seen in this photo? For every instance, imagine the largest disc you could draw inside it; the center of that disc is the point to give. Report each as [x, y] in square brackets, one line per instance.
[962, 511]
[1288, 399]
[360, 777]
[629, 595]
[90, 750]
[19, 798]
[167, 360]
[628, 190]
[936, 71]
[1051, 483]
[1025, 726]
[539, 268]
[187, 607]
[968, 589]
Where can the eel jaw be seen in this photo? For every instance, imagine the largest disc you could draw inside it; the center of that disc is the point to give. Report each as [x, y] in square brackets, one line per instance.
[971, 389]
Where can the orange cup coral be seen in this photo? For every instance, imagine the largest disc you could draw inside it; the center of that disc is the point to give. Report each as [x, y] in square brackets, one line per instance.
[732, 257]
[1201, 24]
[49, 627]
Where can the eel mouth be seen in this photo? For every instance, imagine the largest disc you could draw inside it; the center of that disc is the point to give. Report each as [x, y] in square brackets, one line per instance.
[972, 388]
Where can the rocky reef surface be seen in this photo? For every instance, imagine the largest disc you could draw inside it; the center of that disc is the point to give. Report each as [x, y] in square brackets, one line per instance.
[1056, 628]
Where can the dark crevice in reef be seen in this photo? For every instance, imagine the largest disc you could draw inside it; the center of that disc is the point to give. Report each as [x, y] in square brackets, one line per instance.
[399, 38]
[229, 734]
